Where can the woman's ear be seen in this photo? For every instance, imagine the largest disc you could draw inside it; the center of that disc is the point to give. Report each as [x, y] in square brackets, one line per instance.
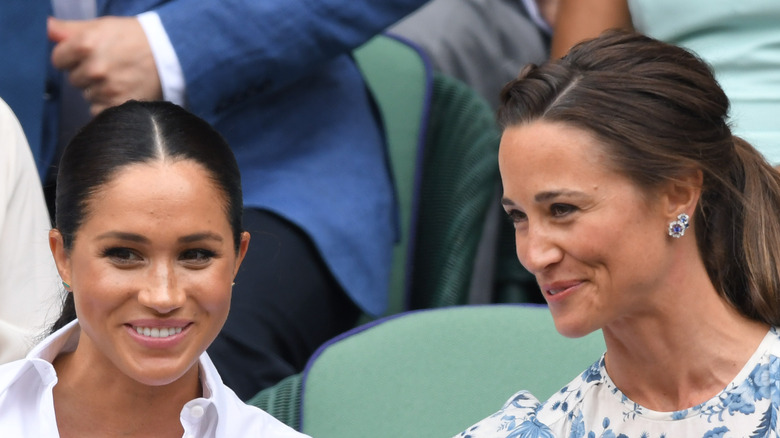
[682, 195]
[61, 258]
[243, 246]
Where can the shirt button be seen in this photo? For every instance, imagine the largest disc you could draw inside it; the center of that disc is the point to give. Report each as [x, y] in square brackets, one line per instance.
[197, 411]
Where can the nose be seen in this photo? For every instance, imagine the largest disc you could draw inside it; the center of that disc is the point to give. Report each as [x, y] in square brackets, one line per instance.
[161, 291]
[536, 249]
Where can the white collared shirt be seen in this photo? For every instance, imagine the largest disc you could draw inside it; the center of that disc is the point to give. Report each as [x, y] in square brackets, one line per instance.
[27, 403]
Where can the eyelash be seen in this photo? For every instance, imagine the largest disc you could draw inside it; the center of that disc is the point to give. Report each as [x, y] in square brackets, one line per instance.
[200, 255]
[121, 255]
[126, 256]
[556, 211]
[560, 210]
[516, 216]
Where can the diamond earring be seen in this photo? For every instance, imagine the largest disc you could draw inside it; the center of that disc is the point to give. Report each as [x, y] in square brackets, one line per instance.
[677, 228]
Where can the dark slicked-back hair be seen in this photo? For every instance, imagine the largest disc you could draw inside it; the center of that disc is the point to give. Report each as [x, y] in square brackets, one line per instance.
[132, 133]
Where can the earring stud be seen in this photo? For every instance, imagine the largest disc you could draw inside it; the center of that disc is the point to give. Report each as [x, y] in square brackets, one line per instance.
[67, 286]
[677, 228]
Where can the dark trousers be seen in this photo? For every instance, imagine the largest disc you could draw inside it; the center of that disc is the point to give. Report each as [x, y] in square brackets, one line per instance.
[285, 304]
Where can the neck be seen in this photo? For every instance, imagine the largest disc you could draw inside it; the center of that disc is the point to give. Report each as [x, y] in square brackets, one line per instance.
[682, 354]
[125, 407]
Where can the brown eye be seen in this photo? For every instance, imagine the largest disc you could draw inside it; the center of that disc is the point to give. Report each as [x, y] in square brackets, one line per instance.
[122, 255]
[197, 256]
[516, 216]
[559, 210]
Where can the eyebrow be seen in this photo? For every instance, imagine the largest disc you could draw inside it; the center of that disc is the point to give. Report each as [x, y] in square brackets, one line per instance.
[123, 236]
[548, 196]
[553, 194]
[197, 237]
[141, 239]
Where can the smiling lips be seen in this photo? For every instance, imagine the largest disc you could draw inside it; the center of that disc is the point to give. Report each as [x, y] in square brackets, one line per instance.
[156, 332]
[558, 287]
[158, 329]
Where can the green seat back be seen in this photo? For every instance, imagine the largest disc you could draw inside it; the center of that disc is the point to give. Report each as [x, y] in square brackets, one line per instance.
[433, 373]
[399, 79]
[459, 182]
[443, 148]
[282, 400]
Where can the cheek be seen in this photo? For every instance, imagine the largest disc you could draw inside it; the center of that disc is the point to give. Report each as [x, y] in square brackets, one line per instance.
[97, 286]
[211, 290]
[213, 305]
[214, 301]
[631, 248]
[599, 244]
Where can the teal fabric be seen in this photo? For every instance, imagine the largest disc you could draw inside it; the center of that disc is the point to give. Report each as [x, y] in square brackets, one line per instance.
[433, 373]
[741, 40]
[282, 400]
[399, 79]
[459, 183]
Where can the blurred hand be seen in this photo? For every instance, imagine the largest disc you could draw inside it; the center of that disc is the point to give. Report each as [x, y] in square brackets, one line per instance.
[109, 58]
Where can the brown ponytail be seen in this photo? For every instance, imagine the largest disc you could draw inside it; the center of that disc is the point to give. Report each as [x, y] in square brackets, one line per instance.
[660, 113]
[754, 288]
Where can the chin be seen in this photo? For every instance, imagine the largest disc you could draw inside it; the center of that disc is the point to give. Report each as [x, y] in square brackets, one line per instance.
[160, 374]
[158, 380]
[573, 329]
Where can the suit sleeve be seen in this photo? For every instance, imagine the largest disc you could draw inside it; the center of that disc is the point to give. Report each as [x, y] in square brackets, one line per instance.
[232, 50]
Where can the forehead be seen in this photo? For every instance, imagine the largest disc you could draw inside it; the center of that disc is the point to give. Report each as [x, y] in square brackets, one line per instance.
[553, 156]
[544, 140]
[162, 190]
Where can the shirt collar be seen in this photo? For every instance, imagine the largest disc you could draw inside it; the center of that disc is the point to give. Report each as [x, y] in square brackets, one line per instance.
[65, 340]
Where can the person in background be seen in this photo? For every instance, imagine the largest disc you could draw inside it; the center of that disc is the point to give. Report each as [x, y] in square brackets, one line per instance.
[740, 40]
[643, 216]
[148, 240]
[483, 43]
[276, 79]
[28, 277]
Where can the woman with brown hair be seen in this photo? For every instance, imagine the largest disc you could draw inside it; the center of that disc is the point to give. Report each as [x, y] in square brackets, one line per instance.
[641, 215]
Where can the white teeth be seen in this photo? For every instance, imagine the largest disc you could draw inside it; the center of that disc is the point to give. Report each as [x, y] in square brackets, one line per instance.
[158, 332]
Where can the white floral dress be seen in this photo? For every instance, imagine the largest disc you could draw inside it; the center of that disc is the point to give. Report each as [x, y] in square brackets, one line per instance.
[591, 406]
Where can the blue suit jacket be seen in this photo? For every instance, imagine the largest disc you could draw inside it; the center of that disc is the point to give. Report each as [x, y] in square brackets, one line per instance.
[275, 78]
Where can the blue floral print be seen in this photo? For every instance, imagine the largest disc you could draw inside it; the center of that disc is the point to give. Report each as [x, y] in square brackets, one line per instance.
[593, 374]
[531, 428]
[718, 432]
[591, 406]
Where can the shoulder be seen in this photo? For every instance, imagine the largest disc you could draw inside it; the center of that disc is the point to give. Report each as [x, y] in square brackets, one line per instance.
[237, 418]
[769, 349]
[764, 367]
[11, 372]
[524, 415]
[25, 399]
[518, 413]
[567, 402]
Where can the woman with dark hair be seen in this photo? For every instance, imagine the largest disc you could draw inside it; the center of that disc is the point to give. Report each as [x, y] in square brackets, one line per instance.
[641, 215]
[148, 239]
